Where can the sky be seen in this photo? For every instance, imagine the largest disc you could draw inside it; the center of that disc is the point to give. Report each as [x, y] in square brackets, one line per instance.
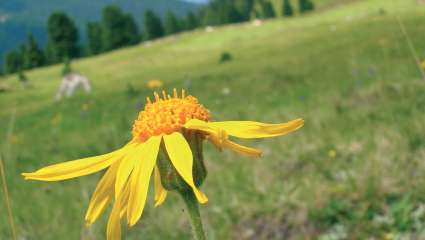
[197, 1]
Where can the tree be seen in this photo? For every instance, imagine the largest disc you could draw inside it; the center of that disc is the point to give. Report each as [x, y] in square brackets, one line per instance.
[287, 8]
[94, 38]
[267, 10]
[305, 5]
[245, 8]
[192, 21]
[153, 25]
[171, 24]
[66, 69]
[62, 37]
[12, 62]
[119, 29]
[33, 56]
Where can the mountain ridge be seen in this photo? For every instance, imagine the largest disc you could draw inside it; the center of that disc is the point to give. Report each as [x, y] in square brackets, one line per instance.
[19, 17]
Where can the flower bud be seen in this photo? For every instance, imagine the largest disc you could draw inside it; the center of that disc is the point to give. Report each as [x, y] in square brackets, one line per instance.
[170, 178]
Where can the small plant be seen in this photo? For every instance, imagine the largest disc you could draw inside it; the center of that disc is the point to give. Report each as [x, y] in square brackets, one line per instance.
[66, 66]
[225, 57]
[23, 79]
[131, 90]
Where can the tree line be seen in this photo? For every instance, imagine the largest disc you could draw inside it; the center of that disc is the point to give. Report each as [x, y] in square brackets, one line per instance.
[118, 29]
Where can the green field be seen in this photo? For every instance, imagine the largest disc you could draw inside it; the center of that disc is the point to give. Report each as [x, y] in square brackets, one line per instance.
[356, 169]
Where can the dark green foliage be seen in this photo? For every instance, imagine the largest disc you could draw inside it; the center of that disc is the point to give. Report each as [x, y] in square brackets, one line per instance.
[119, 29]
[267, 10]
[305, 5]
[21, 76]
[222, 12]
[153, 26]
[171, 23]
[225, 57]
[287, 8]
[33, 55]
[67, 69]
[62, 38]
[335, 211]
[94, 38]
[131, 91]
[245, 8]
[13, 62]
[192, 21]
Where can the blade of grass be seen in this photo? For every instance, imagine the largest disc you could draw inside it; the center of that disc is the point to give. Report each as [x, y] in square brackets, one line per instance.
[3, 175]
[7, 199]
[411, 46]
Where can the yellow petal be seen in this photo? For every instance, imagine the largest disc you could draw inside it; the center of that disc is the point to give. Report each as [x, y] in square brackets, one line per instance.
[197, 124]
[113, 231]
[249, 129]
[160, 192]
[139, 181]
[76, 168]
[252, 152]
[126, 166]
[102, 195]
[124, 199]
[181, 156]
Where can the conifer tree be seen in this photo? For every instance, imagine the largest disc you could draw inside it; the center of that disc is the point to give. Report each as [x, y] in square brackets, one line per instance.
[267, 10]
[94, 38]
[153, 26]
[192, 21]
[119, 29]
[62, 37]
[287, 8]
[171, 24]
[305, 5]
[33, 56]
[12, 62]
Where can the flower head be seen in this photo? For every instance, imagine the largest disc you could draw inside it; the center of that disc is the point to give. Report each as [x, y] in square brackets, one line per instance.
[167, 142]
[155, 83]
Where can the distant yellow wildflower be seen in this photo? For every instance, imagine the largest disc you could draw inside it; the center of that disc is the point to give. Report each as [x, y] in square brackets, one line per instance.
[332, 153]
[423, 65]
[155, 83]
[172, 126]
[56, 120]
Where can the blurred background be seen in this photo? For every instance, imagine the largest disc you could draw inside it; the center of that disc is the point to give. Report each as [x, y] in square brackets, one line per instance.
[75, 75]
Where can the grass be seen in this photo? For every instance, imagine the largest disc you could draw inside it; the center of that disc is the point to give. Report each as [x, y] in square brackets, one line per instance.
[354, 171]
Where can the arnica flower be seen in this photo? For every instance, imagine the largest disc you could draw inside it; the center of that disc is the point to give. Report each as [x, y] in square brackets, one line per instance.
[167, 142]
[155, 83]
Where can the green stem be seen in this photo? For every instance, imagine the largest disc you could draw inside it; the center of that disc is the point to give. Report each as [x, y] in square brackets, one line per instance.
[195, 217]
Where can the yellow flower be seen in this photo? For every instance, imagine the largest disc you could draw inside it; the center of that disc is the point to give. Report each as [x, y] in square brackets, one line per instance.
[332, 153]
[155, 83]
[423, 64]
[164, 127]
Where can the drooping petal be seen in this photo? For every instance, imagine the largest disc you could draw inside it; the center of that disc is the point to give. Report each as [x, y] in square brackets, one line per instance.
[252, 152]
[249, 129]
[76, 168]
[140, 177]
[103, 194]
[126, 167]
[160, 192]
[181, 156]
[113, 229]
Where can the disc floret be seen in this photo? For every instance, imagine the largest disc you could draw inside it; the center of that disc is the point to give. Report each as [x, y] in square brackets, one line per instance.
[167, 114]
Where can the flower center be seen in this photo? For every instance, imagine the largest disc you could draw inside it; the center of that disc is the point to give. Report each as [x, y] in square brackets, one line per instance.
[167, 115]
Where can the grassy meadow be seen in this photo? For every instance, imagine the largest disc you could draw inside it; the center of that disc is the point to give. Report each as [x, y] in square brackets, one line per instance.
[356, 169]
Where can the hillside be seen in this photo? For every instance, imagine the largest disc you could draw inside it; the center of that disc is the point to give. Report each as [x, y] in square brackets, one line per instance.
[354, 171]
[18, 17]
